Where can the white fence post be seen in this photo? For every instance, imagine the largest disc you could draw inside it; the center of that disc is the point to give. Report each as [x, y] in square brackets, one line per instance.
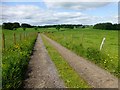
[102, 43]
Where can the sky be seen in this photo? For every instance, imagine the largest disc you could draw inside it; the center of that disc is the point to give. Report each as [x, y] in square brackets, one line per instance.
[48, 12]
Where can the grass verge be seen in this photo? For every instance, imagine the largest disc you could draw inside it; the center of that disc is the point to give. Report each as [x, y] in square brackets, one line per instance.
[14, 63]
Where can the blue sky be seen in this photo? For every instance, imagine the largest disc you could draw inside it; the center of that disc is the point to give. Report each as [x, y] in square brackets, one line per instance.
[44, 12]
[111, 8]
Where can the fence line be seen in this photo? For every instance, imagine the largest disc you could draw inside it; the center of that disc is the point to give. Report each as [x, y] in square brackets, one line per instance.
[14, 39]
[82, 38]
[3, 41]
[20, 37]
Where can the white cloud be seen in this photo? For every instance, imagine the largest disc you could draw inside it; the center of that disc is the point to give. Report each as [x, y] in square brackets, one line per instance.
[77, 4]
[36, 16]
[20, 11]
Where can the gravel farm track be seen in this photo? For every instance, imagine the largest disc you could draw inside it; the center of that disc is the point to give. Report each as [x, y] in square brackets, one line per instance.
[42, 72]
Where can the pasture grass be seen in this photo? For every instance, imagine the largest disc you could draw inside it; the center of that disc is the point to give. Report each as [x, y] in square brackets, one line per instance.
[69, 76]
[86, 43]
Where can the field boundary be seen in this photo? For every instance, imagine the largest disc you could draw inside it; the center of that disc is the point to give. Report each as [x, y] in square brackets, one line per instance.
[21, 37]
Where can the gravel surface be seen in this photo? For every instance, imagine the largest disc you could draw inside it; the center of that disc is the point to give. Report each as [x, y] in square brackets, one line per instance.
[41, 71]
[94, 75]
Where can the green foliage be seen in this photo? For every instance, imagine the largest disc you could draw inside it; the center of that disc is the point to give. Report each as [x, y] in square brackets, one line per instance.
[16, 25]
[70, 26]
[58, 27]
[68, 75]
[83, 26]
[36, 28]
[10, 26]
[107, 26]
[15, 58]
[25, 25]
[24, 28]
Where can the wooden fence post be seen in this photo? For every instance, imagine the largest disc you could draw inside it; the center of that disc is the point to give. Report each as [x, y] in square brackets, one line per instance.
[82, 38]
[20, 37]
[24, 36]
[14, 39]
[3, 41]
[28, 36]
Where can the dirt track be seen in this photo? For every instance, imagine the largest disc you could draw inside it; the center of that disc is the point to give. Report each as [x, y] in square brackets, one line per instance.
[41, 72]
[94, 75]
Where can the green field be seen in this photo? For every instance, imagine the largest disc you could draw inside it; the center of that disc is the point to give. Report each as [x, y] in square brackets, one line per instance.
[86, 43]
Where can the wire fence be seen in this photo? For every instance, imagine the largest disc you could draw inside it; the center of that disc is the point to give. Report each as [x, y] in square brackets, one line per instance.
[16, 38]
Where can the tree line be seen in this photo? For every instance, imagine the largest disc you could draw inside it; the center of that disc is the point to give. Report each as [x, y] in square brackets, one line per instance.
[15, 25]
[71, 26]
[107, 26]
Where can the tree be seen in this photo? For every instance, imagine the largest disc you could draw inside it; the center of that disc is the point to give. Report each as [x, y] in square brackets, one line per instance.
[8, 26]
[24, 28]
[107, 26]
[83, 26]
[58, 27]
[25, 25]
[36, 28]
[16, 25]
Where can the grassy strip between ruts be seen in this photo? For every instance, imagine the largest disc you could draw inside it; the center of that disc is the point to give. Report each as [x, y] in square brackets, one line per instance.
[69, 76]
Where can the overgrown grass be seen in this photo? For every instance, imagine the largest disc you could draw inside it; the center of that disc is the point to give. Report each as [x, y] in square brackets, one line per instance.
[69, 76]
[15, 58]
[86, 43]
